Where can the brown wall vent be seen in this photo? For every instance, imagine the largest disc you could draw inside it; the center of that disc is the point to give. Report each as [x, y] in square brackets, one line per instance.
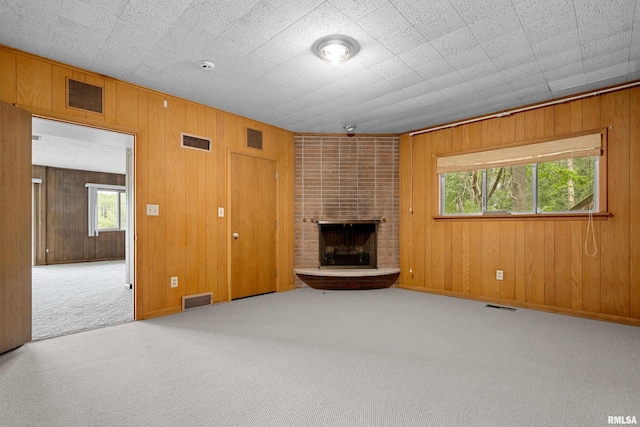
[197, 300]
[254, 138]
[197, 142]
[84, 96]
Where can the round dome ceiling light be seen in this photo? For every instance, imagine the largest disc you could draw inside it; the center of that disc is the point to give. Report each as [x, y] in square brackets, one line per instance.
[206, 65]
[336, 48]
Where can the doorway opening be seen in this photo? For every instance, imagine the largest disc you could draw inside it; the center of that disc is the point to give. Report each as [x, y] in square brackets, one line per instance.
[83, 220]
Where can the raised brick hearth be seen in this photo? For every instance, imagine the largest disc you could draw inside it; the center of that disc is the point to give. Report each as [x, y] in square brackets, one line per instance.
[341, 179]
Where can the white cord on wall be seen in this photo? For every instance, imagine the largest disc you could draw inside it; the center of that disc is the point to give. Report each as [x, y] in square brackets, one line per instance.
[593, 238]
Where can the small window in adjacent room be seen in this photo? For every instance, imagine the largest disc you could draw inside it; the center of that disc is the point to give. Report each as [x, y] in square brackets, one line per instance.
[559, 176]
[107, 208]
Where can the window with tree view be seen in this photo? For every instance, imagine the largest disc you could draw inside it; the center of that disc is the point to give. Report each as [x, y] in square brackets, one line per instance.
[112, 210]
[560, 179]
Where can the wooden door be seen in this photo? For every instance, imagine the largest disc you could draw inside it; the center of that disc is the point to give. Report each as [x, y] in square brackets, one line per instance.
[15, 227]
[253, 225]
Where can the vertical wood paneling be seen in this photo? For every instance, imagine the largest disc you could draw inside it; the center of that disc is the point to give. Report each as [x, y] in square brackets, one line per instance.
[591, 271]
[406, 218]
[634, 203]
[141, 174]
[176, 197]
[534, 262]
[521, 288]
[33, 83]
[192, 209]
[549, 265]
[126, 105]
[577, 243]
[490, 258]
[8, 85]
[157, 283]
[222, 291]
[440, 248]
[508, 259]
[562, 264]
[615, 231]
[457, 256]
[203, 211]
[421, 241]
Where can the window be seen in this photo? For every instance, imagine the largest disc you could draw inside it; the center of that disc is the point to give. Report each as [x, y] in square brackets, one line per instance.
[107, 208]
[557, 176]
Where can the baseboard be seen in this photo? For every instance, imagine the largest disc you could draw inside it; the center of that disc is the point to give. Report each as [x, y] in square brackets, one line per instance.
[558, 310]
[160, 313]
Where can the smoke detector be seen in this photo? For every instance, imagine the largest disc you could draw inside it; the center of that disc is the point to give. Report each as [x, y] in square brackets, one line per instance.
[206, 65]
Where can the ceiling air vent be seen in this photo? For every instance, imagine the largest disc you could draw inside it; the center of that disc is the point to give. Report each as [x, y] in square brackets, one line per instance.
[254, 138]
[197, 142]
[84, 96]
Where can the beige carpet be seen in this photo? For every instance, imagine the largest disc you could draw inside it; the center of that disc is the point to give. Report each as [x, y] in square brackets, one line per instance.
[386, 357]
[69, 298]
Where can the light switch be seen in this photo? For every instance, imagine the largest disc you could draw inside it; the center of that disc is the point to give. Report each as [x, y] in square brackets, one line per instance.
[220, 212]
[153, 210]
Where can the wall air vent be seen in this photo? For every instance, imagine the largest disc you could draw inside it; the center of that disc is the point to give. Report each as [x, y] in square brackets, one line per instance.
[197, 142]
[197, 300]
[254, 138]
[84, 96]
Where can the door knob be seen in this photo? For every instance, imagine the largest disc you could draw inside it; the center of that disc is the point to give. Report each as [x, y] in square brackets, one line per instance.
[235, 235]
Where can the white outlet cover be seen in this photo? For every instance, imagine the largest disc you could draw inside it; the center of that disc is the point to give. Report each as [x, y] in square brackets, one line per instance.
[220, 212]
[153, 210]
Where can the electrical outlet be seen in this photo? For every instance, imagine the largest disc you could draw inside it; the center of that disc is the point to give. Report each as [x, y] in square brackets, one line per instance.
[153, 210]
[499, 275]
[174, 282]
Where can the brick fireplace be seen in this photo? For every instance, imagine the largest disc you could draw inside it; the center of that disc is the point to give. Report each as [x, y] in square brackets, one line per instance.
[343, 180]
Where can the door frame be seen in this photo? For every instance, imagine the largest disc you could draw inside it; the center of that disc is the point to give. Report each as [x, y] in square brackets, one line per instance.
[131, 211]
[228, 230]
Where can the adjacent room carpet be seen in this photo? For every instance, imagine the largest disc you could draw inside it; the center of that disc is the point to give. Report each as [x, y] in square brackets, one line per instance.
[387, 357]
[75, 297]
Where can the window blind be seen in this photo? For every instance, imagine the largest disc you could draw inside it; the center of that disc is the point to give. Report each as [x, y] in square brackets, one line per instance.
[558, 149]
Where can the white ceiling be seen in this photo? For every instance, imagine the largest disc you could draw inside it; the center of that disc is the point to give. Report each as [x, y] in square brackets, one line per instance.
[68, 146]
[422, 62]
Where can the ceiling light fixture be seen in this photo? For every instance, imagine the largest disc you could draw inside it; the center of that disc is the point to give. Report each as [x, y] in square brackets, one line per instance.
[336, 48]
[351, 130]
[206, 65]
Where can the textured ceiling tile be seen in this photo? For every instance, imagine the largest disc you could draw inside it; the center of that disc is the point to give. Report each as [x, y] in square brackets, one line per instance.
[207, 17]
[356, 9]
[544, 29]
[274, 52]
[521, 71]
[267, 19]
[606, 60]
[468, 57]
[567, 82]
[235, 8]
[434, 26]
[391, 67]
[419, 89]
[223, 53]
[401, 41]
[556, 44]
[533, 80]
[435, 69]
[562, 59]
[538, 10]
[420, 56]
[478, 70]
[302, 86]
[460, 92]
[488, 83]
[507, 44]
[85, 15]
[601, 47]
[372, 53]
[597, 18]
[612, 81]
[476, 10]
[497, 25]
[455, 42]
[243, 36]
[279, 75]
[412, 9]
[152, 15]
[383, 21]
[40, 34]
[75, 43]
[446, 80]
[255, 64]
[572, 69]
[432, 98]
[406, 80]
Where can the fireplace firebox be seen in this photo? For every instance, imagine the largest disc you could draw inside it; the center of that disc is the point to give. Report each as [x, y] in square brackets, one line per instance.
[350, 244]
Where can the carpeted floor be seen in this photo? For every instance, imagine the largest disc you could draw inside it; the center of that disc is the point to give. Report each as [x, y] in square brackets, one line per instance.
[69, 298]
[386, 357]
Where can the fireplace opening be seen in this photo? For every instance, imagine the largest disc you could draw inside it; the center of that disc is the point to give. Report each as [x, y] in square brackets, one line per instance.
[350, 244]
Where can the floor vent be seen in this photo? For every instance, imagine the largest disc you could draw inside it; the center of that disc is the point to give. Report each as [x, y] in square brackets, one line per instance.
[254, 138]
[500, 307]
[197, 142]
[84, 96]
[197, 300]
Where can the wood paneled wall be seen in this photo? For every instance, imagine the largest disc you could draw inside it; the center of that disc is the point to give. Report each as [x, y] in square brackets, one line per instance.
[63, 212]
[544, 261]
[187, 239]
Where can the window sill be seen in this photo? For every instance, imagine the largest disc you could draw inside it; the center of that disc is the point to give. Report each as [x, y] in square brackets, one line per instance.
[600, 216]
